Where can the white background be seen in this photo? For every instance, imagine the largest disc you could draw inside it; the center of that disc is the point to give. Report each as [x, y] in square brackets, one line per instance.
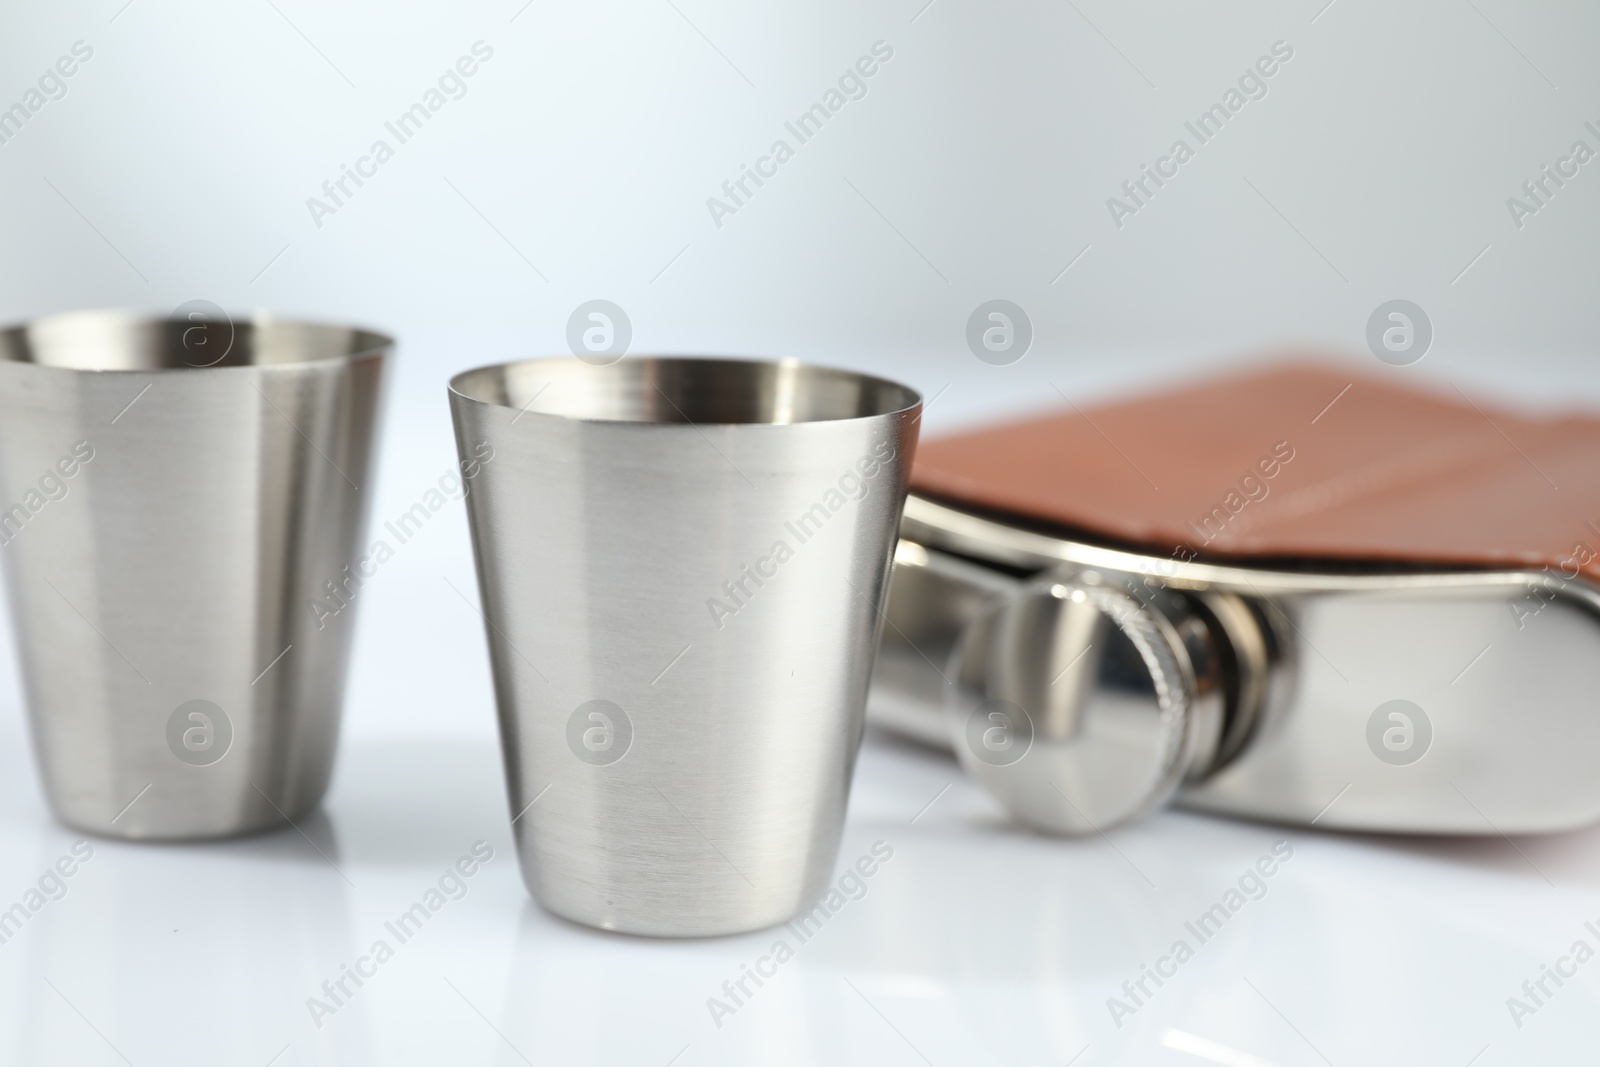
[577, 166]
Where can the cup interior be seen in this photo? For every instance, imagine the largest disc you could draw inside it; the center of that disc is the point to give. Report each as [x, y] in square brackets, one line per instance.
[189, 339]
[656, 389]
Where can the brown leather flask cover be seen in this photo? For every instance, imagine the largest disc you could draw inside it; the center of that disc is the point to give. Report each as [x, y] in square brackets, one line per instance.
[1293, 461]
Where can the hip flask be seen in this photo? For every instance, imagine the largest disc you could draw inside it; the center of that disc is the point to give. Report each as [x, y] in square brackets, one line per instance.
[1389, 621]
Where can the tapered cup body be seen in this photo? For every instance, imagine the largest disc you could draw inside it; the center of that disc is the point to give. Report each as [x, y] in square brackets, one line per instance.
[182, 513]
[682, 564]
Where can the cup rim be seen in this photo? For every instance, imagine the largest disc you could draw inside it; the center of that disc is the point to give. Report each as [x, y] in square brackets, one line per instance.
[14, 336]
[909, 399]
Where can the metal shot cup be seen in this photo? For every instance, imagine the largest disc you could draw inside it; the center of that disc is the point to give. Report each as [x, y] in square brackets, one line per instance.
[181, 502]
[682, 563]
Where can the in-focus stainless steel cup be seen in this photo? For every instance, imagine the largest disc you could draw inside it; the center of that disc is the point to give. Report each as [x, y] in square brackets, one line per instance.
[181, 502]
[682, 563]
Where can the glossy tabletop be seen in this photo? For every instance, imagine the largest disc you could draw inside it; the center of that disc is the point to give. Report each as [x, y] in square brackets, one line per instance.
[969, 942]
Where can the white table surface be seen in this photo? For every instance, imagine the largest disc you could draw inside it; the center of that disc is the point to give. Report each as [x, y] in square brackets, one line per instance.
[179, 167]
[976, 943]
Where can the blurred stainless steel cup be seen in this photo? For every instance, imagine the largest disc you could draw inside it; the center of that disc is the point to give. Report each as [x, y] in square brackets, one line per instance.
[181, 502]
[682, 564]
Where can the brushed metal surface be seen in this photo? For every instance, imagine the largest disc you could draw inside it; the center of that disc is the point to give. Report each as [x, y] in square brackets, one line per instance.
[682, 563]
[1504, 667]
[174, 496]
